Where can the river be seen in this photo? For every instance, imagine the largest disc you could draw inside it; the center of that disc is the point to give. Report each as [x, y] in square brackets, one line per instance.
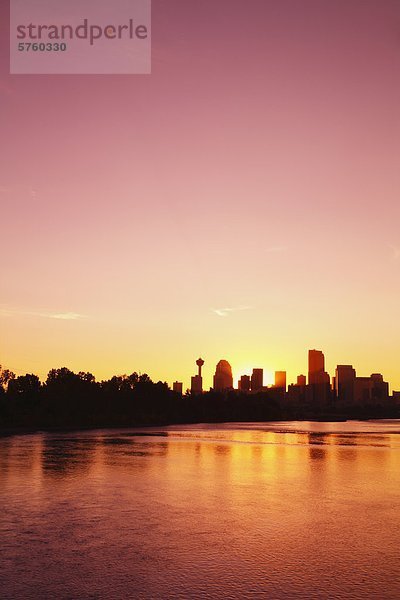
[261, 510]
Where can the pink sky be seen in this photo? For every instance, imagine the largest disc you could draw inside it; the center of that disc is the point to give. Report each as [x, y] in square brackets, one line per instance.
[256, 168]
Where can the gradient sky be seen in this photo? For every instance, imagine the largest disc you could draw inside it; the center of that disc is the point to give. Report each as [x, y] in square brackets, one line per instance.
[256, 169]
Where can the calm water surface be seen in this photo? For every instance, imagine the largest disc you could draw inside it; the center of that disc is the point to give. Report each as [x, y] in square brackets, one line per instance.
[281, 510]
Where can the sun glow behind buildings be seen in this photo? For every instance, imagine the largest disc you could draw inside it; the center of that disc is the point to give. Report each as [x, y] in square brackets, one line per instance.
[268, 374]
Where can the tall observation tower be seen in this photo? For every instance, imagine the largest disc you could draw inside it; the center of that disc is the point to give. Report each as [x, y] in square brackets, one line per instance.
[197, 380]
[199, 363]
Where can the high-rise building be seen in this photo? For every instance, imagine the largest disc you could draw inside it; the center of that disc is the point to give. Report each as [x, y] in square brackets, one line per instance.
[280, 379]
[301, 380]
[257, 380]
[223, 379]
[361, 391]
[177, 387]
[316, 366]
[196, 386]
[244, 383]
[379, 388]
[318, 391]
[345, 377]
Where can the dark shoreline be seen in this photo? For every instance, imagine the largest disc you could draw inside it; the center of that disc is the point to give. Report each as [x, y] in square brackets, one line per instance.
[19, 431]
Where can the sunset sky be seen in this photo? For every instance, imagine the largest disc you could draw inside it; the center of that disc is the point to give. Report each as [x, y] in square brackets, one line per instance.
[256, 170]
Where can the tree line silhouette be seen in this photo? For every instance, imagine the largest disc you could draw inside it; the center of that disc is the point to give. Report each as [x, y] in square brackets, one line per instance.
[68, 399]
[71, 400]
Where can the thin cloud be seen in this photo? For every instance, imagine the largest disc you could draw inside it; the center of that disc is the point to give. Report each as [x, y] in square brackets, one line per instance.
[68, 316]
[224, 312]
[65, 316]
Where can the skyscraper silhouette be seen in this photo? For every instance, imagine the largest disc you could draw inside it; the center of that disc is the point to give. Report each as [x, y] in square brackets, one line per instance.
[351, 389]
[280, 379]
[301, 380]
[223, 379]
[257, 378]
[345, 377]
[316, 368]
[318, 391]
[244, 383]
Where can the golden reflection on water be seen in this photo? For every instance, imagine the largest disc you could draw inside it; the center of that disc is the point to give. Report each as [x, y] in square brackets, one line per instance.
[284, 512]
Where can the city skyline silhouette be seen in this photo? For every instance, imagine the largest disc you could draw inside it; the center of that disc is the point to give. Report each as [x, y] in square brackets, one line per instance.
[68, 399]
[344, 385]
